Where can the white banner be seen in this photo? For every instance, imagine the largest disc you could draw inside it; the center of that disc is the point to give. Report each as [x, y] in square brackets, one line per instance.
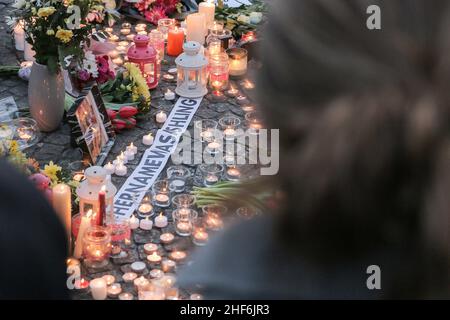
[155, 158]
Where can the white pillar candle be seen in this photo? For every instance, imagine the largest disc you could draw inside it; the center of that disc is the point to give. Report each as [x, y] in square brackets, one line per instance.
[84, 225]
[62, 203]
[196, 27]
[98, 289]
[132, 148]
[110, 168]
[133, 222]
[161, 117]
[208, 9]
[148, 139]
[121, 169]
[129, 155]
[169, 95]
[146, 224]
[19, 36]
[161, 221]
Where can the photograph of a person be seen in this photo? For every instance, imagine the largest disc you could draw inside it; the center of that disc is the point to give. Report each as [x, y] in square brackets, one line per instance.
[308, 161]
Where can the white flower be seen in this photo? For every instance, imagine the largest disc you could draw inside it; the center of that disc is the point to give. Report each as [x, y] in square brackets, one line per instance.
[19, 4]
[90, 64]
[243, 19]
[255, 17]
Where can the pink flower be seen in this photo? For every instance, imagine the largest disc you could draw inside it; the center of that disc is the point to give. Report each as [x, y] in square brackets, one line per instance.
[169, 5]
[102, 63]
[83, 75]
[144, 5]
[155, 14]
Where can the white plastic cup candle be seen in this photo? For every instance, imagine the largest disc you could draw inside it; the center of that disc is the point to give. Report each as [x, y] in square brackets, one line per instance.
[154, 258]
[132, 148]
[148, 139]
[133, 222]
[121, 169]
[146, 224]
[110, 168]
[122, 157]
[161, 221]
[169, 95]
[129, 155]
[161, 117]
[98, 288]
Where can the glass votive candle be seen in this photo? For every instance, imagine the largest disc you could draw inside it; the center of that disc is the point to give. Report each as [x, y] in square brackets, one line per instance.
[233, 173]
[183, 201]
[229, 125]
[214, 147]
[183, 220]
[213, 214]
[164, 25]
[178, 176]
[161, 193]
[214, 47]
[27, 132]
[77, 169]
[218, 70]
[234, 153]
[145, 208]
[97, 246]
[253, 121]
[156, 39]
[200, 235]
[211, 173]
[140, 283]
[247, 213]
[238, 61]
[207, 129]
[215, 26]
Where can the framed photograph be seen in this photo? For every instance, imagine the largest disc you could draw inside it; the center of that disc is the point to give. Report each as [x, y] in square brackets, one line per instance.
[91, 128]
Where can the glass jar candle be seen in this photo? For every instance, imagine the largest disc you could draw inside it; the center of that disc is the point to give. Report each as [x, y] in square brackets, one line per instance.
[164, 25]
[211, 173]
[161, 193]
[97, 246]
[218, 70]
[200, 235]
[156, 39]
[206, 129]
[224, 35]
[27, 132]
[254, 122]
[233, 173]
[183, 220]
[229, 125]
[238, 61]
[183, 201]
[214, 147]
[178, 176]
[213, 214]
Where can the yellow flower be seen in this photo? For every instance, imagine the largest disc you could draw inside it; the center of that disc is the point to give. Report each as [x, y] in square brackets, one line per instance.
[13, 147]
[51, 170]
[50, 32]
[33, 11]
[45, 12]
[64, 35]
[141, 87]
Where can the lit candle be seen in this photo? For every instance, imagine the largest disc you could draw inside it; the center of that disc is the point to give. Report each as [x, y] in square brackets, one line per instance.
[19, 36]
[168, 77]
[248, 84]
[129, 155]
[121, 169]
[214, 145]
[125, 31]
[248, 108]
[126, 296]
[161, 199]
[196, 296]
[110, 168]
[154, 258]
[140, 283]
[167, 238]
[81, 284]
[130, 37]
[121, 49]
[129, 276]
[184, 228]
[148, 139]
[132, 148]
[146, 224]
[229, 133]
[149, 248]
[142, 33]
[133, 222]
[113, 38]
[98, 289]
[232, 92]
[196, 27]
[109, 278]
[140, 27]
[211, 179]
[161, 117]
[214, 222]
[84, 225]
[172, 70]
[178, 255]
[161, 221]
[62, 203]
[233, 173]
[208, 9]
[109, 30]
[238, 61]
[145, 209]
[156, 274]
[138, 267]
[118, 61]
[175, 40]
[200, 237]
[169, 95]
[168, 265]
[114, 290]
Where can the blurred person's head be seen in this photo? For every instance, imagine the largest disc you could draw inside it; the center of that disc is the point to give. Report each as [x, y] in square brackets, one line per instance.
[364, 130]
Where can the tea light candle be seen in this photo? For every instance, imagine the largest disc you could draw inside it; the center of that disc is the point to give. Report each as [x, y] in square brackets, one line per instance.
[232, 92]
[148, 139]
[130, 37]
[109, 30]
[229, 133]
[168, 265]
[110, 168]
[161, 221]
[113, 38]
[156, 274]
[161, 198]
[126, 296]
[142, 33]
[145, 209]
[211, 179]
[81, 284]
[121, 169]
[125, 31]
[140, 282]
[133, 222]
[172, 70]
[167, 238]
[150, 248]
[213, 147]
[196, 296]
[123, 43]
[132, 148]
[178, 255]
[109, 278]
[184, 228]
[169, 95]
[168, 77]
[138, 267]
[129, 155]
[248, 108]
[161, 117]
[154, 258]
[113, 54]
[122, 157]
[118, 61]
[129, 276]
[248, 84]
[98, 288]
[200, 237]
[233, 173]
[121, 49]
[140, 27]
[114, 290]
[146, 224]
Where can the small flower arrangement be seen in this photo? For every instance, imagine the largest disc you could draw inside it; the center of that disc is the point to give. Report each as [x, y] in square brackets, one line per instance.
[153, 10]
[94, 68]
[57, 28]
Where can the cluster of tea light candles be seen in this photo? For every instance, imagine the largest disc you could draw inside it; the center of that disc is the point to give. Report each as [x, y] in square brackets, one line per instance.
[118, 166]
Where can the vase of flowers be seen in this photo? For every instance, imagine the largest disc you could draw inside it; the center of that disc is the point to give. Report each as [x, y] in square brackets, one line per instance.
[56, 30]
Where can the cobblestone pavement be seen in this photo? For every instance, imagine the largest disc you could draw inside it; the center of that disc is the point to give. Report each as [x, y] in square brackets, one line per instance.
[56, 147]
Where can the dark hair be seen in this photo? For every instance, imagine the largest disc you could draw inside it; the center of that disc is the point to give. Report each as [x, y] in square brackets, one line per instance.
[364, 128]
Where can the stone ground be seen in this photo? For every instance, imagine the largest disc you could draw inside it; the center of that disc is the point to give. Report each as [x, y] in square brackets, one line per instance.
[56, 147]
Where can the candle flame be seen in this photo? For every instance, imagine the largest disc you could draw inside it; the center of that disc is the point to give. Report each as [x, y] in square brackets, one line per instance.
[89, 213]
[103, 188]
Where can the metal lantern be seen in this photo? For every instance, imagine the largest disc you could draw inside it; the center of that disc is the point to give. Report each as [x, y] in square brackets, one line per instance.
[146, 57]
[192, 71]
[90, 187]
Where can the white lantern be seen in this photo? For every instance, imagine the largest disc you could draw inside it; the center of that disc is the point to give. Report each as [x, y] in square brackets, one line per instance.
[192, 71]
[89, 189]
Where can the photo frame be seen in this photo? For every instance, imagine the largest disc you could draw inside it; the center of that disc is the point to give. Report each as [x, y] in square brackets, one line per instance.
[91, 128]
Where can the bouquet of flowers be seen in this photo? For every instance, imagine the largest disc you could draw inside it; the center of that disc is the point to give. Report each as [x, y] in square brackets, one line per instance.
[153, 10]
[57, 29]
[94, 68]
